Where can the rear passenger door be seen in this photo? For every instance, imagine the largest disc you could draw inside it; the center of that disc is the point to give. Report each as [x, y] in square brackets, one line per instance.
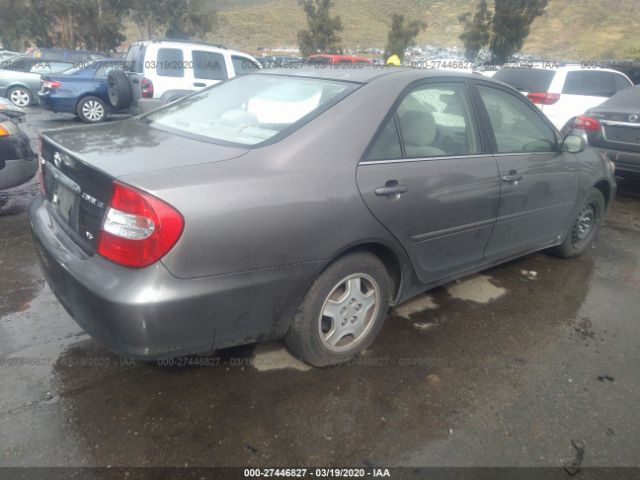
[171, 71]
[208, 68]
[538, 181]
[426, 177]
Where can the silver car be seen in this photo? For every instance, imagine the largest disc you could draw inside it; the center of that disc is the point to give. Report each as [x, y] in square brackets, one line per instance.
[20, 77]
[300, 205]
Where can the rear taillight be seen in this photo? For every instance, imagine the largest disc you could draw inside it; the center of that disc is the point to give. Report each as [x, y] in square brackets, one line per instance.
[583, 122]
[138, 229]
[51, 84]
[146, 88]
[543, 98]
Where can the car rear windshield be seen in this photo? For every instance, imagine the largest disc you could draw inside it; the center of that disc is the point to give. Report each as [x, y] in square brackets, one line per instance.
[251, 109]
[526, 79]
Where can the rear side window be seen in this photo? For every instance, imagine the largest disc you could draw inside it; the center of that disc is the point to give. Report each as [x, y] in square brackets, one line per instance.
[134, 60]
[516, 126]
[243, 65]
[531, 80]
[596, 84]
[208, 65]
[170, 62]
[387, 145]
[436, 120]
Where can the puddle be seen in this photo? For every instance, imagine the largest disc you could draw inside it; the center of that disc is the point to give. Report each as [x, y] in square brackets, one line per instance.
[267, 357]
[417, 305]
[476, 289]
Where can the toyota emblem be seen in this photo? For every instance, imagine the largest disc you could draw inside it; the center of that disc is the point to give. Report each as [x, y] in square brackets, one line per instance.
[633, 117]
[57, 159]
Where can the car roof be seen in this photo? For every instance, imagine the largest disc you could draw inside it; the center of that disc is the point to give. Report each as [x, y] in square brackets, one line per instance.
[365, 74]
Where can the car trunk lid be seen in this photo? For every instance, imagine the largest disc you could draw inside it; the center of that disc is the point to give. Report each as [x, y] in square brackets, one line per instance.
[80, 164]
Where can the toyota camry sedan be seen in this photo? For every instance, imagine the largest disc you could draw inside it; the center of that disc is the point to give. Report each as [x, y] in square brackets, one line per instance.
[301, 205]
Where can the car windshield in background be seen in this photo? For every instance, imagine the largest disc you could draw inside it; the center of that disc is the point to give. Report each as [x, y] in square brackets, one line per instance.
[251, 109]
[526, 79]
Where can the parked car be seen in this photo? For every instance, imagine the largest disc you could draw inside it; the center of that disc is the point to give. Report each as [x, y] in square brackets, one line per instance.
[338, 61]
[157, 72]
[6, 54]
[20, 78]
[614, 128]
[288, 204]
[564, 92]
[81, 91]
[18, 164]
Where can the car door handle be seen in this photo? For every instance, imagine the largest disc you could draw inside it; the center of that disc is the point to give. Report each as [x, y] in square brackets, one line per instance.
[199, 84]
[512, 177]
[391, 189]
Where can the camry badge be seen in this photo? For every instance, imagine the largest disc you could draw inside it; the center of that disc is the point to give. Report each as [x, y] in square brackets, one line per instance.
[633, 117]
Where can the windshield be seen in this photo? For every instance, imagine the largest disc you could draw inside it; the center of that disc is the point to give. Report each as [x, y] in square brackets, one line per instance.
[251, 109]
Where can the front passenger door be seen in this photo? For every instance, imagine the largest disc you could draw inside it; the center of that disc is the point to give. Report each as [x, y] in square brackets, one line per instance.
[538, 182]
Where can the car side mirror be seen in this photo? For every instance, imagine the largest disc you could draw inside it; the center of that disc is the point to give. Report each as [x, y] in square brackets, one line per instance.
[573, 144]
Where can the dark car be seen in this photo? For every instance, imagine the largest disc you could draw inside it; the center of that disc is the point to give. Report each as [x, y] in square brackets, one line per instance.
[614, 128]
[81, 91]
[289, 204]
[18, 163]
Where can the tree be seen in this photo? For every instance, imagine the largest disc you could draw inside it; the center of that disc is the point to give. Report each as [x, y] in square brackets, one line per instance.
[505, 33]
[14, 24]
[511, 24]
[477, 30]
[402, 35]
[174, 18]
[322, 34]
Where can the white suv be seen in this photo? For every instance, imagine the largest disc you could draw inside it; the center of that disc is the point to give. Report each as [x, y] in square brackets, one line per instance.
[567, 91]
[159, 71]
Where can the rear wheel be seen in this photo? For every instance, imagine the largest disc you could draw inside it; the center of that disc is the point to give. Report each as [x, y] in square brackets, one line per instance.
[20, 96]
[91, 110]
[584, 227]
[342, 312]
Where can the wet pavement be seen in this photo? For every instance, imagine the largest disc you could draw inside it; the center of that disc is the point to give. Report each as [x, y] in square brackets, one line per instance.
[505, 368]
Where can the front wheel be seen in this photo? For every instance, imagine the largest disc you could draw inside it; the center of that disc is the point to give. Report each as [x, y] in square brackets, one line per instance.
[584, 227]
[342, 312]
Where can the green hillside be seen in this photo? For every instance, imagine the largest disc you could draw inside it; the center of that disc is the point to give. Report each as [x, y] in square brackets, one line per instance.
[570, 29]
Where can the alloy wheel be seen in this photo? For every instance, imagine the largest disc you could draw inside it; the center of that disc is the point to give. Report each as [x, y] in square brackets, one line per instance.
[20, 97]
[348, 312]
[93, 111]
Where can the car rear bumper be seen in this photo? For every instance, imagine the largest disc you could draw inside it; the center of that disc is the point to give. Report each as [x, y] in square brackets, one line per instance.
[627, 162]
[64, 105]
[145, 105]
[148, 313]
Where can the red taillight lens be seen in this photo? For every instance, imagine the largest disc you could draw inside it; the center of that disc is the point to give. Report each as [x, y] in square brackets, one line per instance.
[583, 122]
[146, 88]
[51, 84]
[138, 229]
[544, 98]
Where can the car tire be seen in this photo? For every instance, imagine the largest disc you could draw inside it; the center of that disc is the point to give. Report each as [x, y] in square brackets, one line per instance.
[20, 96]
[91, 110]
[584, 226]
[119, 89]
[337, 319]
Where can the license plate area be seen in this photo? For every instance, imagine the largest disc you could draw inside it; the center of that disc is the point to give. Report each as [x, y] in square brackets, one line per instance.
[621, 134]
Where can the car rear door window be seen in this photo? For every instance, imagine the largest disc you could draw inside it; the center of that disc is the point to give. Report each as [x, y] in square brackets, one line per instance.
[387, 145]
[208, 65]
[436, 120]
[170, 62]
[243, 65]
[596, 84]
[516, 126]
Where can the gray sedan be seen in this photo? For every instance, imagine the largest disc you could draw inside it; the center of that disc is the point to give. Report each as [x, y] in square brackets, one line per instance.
[300, 205]
[20, 78]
